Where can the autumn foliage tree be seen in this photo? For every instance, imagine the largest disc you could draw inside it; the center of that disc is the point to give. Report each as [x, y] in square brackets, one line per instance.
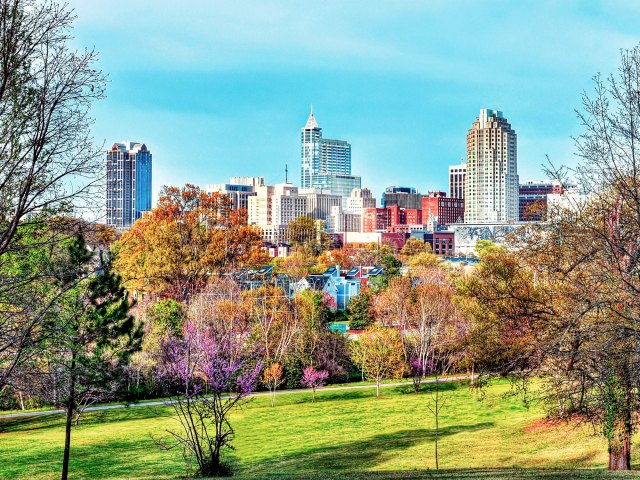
[378, 352]
[189, 236]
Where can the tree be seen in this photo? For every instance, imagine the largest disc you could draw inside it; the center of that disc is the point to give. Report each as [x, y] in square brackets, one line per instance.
[392, 269]
[274, 322]
[314, 379]
[94, 338]
[414, 246]
[214, 371]
[360, 310]
[308, 234]
[378, 352]
[189, 236]
[48, 163]
[162, 319]
[272, 377]
[341, 257]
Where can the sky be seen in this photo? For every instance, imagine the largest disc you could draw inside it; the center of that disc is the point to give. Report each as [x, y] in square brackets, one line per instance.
[222, 88]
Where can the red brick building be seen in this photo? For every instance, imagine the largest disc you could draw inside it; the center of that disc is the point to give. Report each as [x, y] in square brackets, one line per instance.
[445, 210]
[390, 218]
[375, 219]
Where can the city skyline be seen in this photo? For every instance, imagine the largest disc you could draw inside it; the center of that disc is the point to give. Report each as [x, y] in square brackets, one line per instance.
[195, 86]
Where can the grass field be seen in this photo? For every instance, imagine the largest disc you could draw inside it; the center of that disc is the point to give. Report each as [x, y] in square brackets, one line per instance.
[345, 434]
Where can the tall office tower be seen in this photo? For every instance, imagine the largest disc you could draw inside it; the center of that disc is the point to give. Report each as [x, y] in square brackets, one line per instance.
[457, 174]
[491, 185]
[128, 183]
[322, 157]
[403, 197]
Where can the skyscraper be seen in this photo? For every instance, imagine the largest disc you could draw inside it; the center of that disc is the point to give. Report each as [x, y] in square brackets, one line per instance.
[322, 158]
[128, 183]
[491, 184]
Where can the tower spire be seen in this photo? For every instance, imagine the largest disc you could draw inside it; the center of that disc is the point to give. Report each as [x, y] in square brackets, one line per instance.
[312, 109]
[286, 173]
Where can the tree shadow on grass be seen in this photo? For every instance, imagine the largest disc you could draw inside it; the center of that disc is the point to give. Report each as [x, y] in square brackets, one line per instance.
[456, 474]
[359, 454]
[57, 420]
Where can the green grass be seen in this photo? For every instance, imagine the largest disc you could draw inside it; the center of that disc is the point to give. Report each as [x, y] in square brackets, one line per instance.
[346, 434]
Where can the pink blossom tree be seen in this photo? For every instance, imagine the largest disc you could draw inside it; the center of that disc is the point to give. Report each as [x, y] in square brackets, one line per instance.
[213, 373]
[313, 379]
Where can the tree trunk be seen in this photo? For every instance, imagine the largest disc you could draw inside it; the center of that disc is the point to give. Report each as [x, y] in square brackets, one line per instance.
[21, 399]
[437, 411]
[620, 452]
[377, 388]
[70, 407]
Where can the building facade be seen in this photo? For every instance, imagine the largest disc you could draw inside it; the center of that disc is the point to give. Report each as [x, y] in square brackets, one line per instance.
[436, 206]
[129, 168]
[338, 184]
[320, 203]
[491, 183]
[359, 199]
[457, 176]
[403, 197]
[238, 193]
[533, 198]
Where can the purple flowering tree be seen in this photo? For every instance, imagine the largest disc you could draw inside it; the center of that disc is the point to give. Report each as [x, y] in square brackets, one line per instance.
[313, 379]
[213, 373]
[420, 368]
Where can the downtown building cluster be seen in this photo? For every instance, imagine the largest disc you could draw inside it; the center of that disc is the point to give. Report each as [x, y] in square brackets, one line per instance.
[485, 198]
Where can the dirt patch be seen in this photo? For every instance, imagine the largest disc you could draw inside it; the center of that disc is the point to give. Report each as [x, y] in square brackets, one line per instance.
[544, 425]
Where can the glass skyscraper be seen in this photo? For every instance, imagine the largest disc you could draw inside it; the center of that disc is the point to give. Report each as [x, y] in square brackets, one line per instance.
[321, 157]
[128, 183]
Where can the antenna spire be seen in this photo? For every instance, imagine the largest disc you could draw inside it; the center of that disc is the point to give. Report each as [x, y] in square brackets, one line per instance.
[286, 173]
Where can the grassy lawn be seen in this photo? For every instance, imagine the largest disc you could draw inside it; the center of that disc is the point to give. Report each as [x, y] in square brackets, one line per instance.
[346, 434]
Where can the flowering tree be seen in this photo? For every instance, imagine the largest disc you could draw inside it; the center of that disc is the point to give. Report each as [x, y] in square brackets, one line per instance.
[313, 379]
[214, 361]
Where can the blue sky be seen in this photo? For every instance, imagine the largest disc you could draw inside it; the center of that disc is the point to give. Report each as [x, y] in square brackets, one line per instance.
[222, 88]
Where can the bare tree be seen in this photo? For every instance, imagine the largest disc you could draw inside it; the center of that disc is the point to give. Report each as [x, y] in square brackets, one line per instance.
[48, 162]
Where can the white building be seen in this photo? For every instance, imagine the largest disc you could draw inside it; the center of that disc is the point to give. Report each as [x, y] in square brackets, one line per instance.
[466, 236]
[341, 221]
[239, 194]
[457, 176]
[491, 184]
[319, 203]
[259, 206]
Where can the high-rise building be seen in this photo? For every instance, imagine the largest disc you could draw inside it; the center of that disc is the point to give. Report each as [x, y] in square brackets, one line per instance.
[457, 174]
[491, 184]
[128, 183]
[403, 197]
[325, 163]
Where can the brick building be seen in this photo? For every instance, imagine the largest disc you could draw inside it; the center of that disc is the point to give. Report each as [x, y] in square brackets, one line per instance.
[445, 210]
